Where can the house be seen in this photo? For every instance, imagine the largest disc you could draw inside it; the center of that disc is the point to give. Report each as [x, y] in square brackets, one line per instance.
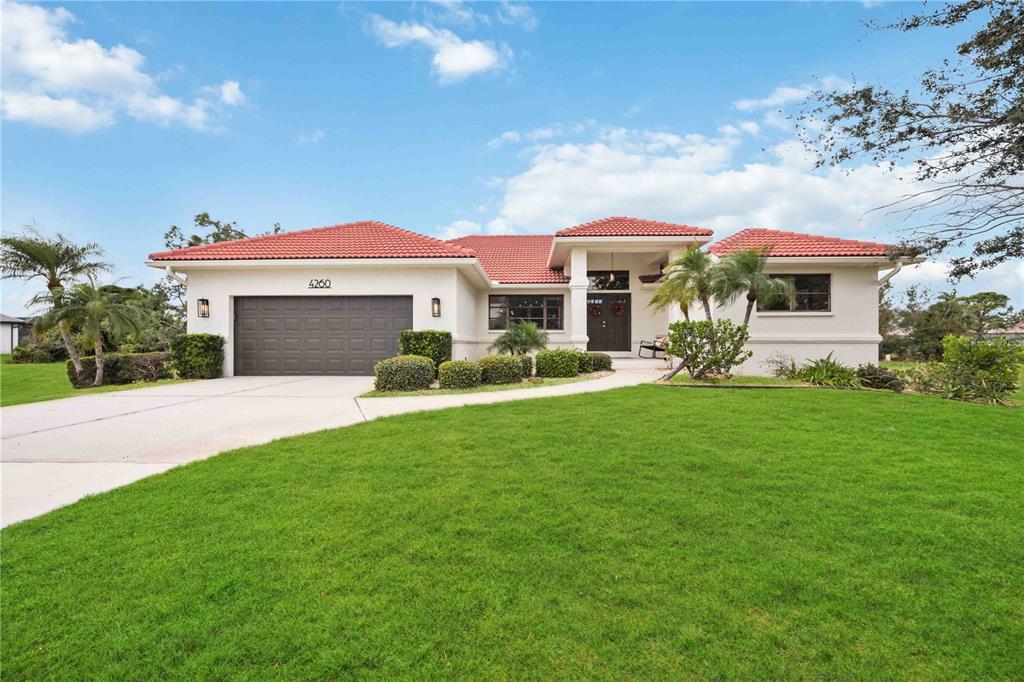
[12, 331]
[332, 300]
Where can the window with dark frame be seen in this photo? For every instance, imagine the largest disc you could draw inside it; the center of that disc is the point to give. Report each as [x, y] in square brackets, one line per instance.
[810, 294]
[609, 280]
[544, 311]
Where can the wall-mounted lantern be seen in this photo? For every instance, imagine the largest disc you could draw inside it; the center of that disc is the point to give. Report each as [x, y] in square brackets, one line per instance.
[435, 307]
[204, 307]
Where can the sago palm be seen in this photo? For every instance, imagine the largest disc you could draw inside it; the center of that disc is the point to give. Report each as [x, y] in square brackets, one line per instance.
[520, 339]
[57, 261]
[91, 307]
[742, 273]
[687, 279]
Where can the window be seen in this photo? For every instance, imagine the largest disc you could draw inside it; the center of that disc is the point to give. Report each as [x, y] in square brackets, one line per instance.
[608, 279]
[544, 311]
[811, 294]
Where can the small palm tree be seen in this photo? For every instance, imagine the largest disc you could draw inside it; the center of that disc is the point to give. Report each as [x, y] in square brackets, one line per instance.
[520, 339]
[742, 273]
[56, 261]
[91, 307]
[687, 279]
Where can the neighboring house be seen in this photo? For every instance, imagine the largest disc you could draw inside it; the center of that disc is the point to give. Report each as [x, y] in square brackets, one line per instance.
[332, 300]
[12, 331]
[1014, 332]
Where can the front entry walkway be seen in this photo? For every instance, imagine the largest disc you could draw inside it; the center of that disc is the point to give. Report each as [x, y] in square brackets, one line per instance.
[59, 451]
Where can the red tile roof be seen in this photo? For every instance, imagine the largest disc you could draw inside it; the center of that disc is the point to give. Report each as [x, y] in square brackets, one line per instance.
[632, 227]
[366, 239]
[779, 243]
[514, 259]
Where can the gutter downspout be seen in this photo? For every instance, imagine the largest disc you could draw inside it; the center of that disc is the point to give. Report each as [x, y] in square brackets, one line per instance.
[889, 275]
[175, 276]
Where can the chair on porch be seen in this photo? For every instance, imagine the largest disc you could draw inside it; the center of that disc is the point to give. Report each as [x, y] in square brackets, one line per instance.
[653, 347]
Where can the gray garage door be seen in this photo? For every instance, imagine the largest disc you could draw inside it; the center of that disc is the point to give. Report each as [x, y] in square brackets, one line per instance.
[298, 335]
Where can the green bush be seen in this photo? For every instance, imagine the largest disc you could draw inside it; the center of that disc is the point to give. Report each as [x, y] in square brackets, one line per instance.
[601, 362]
[559, 362]
[928, 377]
[198, 356]
[458, 374]
[122, 368]
[828, 372]
[431, 343]
[981, 370]
[873, 376]
[501, 369]
[527, 361]
[404, 373]
[586, 364]
[47, 347]
[705, 347]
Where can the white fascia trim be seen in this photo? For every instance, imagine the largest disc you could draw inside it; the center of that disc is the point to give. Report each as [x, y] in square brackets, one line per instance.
[666, 242]
[520, 285]
[879, 261]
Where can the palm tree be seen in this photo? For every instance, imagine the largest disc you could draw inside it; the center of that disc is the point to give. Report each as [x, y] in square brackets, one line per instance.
[56, 261]
[742, 273]
[520, 339]
[687, 279]
[92, 307]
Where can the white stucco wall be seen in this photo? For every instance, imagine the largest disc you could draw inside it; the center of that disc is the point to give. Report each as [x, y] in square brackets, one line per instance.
[849, 330]
[222, 285]
[9, 336]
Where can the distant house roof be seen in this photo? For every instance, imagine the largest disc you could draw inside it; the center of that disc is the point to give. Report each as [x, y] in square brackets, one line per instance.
[365, 239]
[13, 320]
[621, 226]
[788, 244]
[1012, 330]
[514, 259]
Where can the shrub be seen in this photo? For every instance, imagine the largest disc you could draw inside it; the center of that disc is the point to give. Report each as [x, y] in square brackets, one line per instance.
[558, 363]
[431, 343]
[601, 362]
[781, 366]
[928, 377]
[981, 370]
[198, 356]
[122, 368]
[404, 373]
[501, 369]
[586, 363]
[527, 365]
[458, 374]
[520, 338]
[705, 347]
[873, 376]
[47, 347]
[828, 372]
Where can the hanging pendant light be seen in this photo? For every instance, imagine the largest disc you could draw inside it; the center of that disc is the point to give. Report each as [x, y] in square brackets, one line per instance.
[611, 274]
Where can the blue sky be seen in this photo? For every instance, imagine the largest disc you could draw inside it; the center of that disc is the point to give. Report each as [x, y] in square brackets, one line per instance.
[122, 119]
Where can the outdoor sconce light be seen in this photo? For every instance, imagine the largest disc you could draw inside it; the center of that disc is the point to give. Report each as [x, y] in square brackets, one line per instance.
[204, 307]
[435, 307]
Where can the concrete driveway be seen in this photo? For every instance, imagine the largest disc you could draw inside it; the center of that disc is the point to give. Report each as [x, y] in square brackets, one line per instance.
[59, 451]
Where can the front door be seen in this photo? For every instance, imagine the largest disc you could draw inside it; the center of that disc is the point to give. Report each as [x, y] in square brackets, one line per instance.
[608, 321]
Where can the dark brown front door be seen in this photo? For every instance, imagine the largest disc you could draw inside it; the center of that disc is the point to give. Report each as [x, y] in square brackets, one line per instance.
[608, 321]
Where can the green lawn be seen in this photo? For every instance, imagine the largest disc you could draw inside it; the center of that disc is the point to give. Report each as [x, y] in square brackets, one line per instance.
[647, 532]
[31, 383]
[487, 388]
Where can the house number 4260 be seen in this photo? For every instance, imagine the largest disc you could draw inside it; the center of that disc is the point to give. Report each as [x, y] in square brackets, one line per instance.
[319, 284]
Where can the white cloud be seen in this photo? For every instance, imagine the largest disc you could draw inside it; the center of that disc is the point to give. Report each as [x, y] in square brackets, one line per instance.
[454, 59]
[231, 94]
[507, 137]
[311, 138]
[458, 13]
[518, 14]
[541, 133]
[750, 127]
[460, 228]
[1006, 278]
[693, 179]
[787, 94]
[78, 85]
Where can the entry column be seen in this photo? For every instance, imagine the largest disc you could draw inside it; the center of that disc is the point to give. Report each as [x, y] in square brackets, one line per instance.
[578, 285]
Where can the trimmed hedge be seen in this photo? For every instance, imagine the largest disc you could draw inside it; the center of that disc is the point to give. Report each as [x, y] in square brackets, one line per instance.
[601, 362]
[527, 361]
[585, 361]
[558, 363]
[404, 373]
[501, 369]
[198, 356]
[122, 368]
[459, 374]
[431, 343]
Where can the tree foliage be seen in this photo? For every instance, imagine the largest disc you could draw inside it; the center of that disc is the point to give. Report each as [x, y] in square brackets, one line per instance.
[520, 338]
[961, 129]
[742, 274]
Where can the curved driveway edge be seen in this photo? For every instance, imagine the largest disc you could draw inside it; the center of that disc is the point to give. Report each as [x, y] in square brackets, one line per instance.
[59, 451]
